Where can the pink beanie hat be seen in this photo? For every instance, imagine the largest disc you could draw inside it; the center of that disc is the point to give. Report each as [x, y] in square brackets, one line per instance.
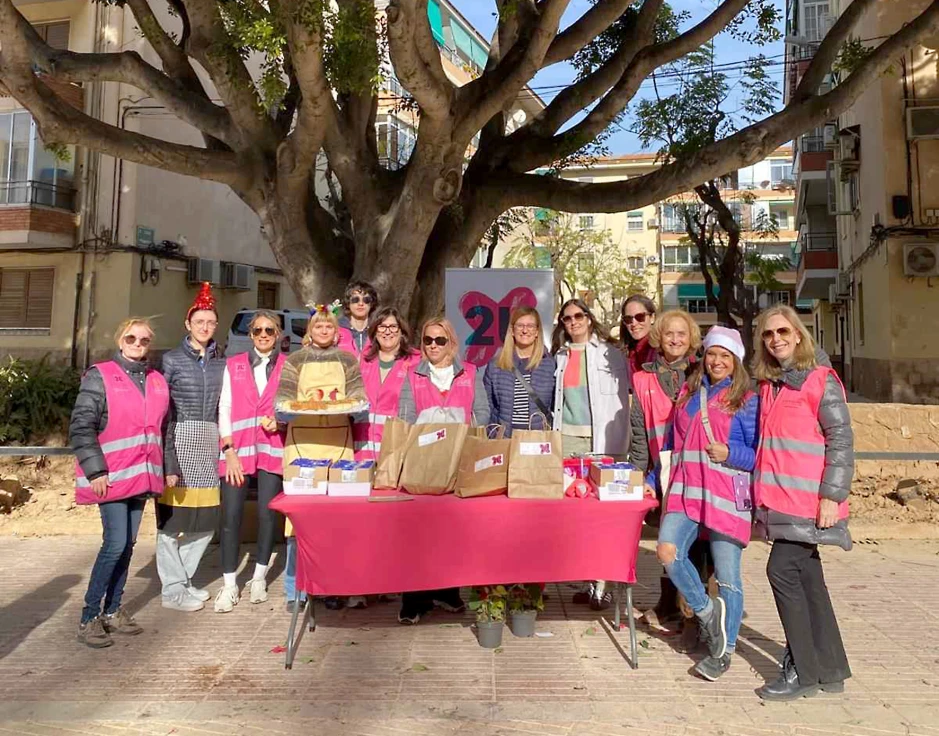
[727, 338]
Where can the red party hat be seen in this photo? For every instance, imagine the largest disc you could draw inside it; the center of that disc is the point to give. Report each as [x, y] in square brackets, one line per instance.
[205, 299]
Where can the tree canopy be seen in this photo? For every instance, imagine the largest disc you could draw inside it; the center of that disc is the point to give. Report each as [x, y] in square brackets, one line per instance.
[272, 85]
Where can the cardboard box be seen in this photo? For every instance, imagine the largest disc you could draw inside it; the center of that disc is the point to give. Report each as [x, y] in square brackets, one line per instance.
[578, 467]
[351, 478]
[617, 481]
[306, 477]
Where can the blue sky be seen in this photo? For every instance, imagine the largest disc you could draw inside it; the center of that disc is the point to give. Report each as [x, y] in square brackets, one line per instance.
[481, 13]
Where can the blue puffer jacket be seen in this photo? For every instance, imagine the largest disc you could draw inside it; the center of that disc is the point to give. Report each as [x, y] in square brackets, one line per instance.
[500, 388]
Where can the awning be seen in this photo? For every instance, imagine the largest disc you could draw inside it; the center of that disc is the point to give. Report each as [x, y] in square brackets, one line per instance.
[695, 291]
[436, 21]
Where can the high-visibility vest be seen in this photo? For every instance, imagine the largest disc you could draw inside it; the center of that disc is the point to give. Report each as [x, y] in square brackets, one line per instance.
[657, 409]
[132, 441]
[461, 394]
[383, 397]
[790, 460]
[256, 447]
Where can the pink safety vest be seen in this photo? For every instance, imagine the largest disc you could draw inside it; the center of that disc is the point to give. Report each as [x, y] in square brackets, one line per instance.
[790, 460]
[347, 342]
[702, 489]
[132, 441]
[383, 397]
[257, 448]
[657, 408]
[461, 394]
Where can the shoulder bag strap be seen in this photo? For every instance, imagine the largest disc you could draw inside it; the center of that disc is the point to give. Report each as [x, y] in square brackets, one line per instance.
[703, 397]
[531, 392]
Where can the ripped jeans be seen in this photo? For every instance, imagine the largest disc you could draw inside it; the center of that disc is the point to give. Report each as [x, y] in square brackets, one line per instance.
[677, 529]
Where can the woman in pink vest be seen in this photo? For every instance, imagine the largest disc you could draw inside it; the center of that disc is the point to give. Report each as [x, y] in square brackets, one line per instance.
[252, 446]
[116, 431]
[440, 385]
[385, 364]
[713, 443]
[804, 468]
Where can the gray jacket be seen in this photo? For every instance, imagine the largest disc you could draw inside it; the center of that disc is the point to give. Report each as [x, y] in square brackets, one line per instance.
[407, 409]
[639, 437]
[90, 415]
[195, 385]
[834, 420]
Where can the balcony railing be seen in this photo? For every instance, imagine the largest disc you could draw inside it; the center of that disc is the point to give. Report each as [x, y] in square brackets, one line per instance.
[812, 144]
[37, 193]
[817, 242]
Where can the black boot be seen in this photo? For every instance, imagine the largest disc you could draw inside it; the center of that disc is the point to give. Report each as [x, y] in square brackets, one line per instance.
[787, 686]
[667, 608]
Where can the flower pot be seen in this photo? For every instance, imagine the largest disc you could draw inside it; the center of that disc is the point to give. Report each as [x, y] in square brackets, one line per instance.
[489, 633]
[523, 622]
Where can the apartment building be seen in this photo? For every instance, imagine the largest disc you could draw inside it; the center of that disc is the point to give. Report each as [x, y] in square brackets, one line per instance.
[87, 240]
[867, 209]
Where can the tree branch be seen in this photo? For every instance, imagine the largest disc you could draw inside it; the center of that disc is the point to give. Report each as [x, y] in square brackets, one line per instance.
[584, 30]
[829, 49]
[415, 57]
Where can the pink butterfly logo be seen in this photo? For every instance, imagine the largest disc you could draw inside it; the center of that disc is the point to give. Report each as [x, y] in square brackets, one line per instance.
[490, 320]
[497, 460]
[442, 434]
[545, 448]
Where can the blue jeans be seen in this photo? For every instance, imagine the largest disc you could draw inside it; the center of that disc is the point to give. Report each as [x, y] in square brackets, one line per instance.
[290, 571]
[677, 529]
[120, 521]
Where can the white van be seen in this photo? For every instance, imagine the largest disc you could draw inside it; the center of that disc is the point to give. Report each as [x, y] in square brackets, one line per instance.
[293, 324]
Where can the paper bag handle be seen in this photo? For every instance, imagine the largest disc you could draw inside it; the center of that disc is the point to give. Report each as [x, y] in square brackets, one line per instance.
[544, 420]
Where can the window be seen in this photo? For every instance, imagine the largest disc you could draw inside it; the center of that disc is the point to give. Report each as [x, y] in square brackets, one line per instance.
[695, 306]
[585, 262]
[852, 191]
[778, 297]
[634, 221]
[586, 222]
[26, 298]
[396, 141]
[679, 258]
[54, 34]
[268, 294]
[29, 174]
[817, 21]
[860, 312]
[672, 221]
[780, 171]
[636, 263]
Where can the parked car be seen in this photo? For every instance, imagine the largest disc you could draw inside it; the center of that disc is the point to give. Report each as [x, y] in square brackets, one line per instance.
[292, 322]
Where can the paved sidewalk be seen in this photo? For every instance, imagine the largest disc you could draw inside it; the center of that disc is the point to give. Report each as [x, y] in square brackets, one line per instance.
[362, 673]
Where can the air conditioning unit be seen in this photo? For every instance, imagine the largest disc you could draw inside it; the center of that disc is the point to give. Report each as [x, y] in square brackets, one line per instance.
[849, 144]
[237, 276]
[843, 285]
[652, 260]
[652, 222]
[833, 296]
[830, 136]
[922, 122]
[921, 259]
[204, 269]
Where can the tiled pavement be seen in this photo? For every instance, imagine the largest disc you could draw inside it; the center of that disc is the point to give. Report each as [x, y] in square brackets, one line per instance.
[362, 673]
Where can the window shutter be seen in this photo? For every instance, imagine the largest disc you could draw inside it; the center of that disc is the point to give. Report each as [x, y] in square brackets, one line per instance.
[13, 297]
[57, 35]
[39, 298]
[26, 298]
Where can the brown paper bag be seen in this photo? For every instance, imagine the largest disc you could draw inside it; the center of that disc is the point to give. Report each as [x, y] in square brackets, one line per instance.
[536, 465]
[394, 442]
[484, 463]
[433, 458]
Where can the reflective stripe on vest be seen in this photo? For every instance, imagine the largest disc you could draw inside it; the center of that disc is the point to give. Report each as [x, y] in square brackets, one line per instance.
[131, 441]
[383, 397]
[460, 396]
[658, 410]
[790, 461]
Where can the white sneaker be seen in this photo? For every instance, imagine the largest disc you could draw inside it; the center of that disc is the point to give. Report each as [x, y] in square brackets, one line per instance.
[256, 591]
[198, 593]
[226, 599]
[356, 601]
[182, 601]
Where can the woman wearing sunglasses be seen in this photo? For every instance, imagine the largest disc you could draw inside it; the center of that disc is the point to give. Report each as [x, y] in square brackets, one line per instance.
[252, 446]
[440, 381]
[804, 467]
[116, 430]
[636, 319]
[359, 302]
[591, 400]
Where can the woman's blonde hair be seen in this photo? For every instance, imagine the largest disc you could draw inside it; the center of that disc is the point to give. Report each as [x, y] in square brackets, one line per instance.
[320, 315]
[736, 395]
[445, 325]
[126, 324]
[765, 366]
[506, 358]
[268, 315]
[694, 332]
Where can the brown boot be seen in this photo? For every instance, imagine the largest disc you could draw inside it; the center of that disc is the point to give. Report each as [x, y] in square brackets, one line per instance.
[666, 610]
[689, 635]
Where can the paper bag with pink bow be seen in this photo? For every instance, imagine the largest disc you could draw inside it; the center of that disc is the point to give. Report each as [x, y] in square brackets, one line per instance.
[432, 458]
[536, 466]
[484, 463]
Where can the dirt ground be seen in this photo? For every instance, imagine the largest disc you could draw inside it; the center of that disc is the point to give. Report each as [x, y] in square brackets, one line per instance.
[876, 512]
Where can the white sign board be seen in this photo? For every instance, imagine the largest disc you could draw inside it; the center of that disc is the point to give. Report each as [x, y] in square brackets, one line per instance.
[479, 302]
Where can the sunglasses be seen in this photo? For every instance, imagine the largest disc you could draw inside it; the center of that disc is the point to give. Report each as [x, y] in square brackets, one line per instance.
[362, 299]
[640, 318]
[144, 342]
[576, 317]
[269, 331]
[441, 341]
[783, 332]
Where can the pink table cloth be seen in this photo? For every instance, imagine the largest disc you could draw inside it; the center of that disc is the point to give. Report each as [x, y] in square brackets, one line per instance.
[351, 546]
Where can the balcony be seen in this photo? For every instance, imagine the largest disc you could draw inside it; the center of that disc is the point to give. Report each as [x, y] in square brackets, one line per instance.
[818, 265]
[37, 193]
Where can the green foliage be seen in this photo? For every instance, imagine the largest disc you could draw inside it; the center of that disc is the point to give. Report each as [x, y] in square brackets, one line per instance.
[253, 29]
[852, 53]
[526, 597]
[488, 602]
[36, 399]
[60, 151]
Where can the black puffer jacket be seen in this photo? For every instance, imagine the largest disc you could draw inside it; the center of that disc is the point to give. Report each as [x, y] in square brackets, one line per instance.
[90, 415]
[834, 420]
[195, 386]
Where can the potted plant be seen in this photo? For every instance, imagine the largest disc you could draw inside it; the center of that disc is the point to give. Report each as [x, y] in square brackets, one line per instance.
[525, 600]
[489, 604]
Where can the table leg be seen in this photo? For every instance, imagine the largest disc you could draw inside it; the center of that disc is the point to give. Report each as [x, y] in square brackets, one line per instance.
[294, 636]
[616, 603]
[633, 648]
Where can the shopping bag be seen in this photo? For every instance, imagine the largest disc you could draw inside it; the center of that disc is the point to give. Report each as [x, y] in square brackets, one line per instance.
[432, 458]
[536, 466]
[484, 463]
[394, 442]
